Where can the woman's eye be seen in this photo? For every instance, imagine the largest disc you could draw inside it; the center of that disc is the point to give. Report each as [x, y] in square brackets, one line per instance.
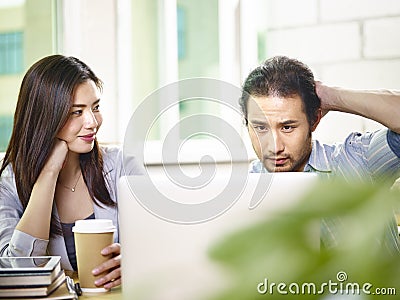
[96, 108]
[76, 112]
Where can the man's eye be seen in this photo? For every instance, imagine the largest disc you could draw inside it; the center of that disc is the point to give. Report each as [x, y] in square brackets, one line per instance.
[96, 108]
[287, 128]
[260, 128]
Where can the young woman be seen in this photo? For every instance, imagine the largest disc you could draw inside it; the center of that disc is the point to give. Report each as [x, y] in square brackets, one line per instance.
[54, 172]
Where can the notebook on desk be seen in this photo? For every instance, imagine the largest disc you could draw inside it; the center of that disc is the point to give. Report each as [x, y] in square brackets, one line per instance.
[166, 253]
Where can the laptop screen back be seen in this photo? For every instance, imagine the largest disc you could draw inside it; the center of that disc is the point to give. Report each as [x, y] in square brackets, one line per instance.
[166, 254]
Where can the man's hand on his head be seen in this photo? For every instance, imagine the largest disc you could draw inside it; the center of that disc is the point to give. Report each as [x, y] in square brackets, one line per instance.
[328, 96]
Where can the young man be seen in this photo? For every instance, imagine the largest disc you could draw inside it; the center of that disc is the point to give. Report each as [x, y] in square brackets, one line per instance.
[282, 105]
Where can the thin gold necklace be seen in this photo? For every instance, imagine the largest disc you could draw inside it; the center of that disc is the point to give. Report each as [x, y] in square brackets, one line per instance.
[76, 183]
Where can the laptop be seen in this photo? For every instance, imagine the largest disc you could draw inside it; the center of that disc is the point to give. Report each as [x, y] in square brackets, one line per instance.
[168, 226]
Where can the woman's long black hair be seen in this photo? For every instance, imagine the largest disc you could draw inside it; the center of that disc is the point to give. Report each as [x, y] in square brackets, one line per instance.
[43, 106]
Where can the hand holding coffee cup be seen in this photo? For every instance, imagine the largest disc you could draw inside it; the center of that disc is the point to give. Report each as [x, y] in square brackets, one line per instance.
[112, 267]
[91, 237]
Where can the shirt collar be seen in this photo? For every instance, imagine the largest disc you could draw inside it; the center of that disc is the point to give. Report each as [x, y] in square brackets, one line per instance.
[318, 161]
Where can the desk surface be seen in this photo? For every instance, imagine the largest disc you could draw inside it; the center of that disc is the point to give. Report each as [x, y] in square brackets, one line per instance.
[114, 294]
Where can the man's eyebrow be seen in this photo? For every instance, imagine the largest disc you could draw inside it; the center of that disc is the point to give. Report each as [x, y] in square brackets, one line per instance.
[259, 121]
[84, 105]
[288, 122]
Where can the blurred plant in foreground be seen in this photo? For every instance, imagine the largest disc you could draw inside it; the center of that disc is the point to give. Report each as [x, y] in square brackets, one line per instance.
[279, 250]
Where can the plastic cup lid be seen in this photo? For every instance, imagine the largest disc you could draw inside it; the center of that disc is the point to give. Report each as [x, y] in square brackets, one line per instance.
[93, 226]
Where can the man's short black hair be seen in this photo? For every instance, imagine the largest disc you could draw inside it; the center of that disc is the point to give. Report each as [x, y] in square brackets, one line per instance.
[282, 77]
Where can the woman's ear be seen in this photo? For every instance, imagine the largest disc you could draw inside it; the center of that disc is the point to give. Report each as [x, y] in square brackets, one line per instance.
[317, 119]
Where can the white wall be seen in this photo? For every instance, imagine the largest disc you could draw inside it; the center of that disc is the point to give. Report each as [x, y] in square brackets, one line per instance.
[89, 33]
[350, 43]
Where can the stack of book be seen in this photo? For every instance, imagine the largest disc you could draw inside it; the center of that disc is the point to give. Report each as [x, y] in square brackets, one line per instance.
[30, 276]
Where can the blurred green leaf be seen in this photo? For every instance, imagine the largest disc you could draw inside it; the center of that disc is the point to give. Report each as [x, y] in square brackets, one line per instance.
[279, 249]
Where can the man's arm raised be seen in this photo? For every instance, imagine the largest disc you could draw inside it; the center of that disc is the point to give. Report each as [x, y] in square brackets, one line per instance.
[382, 106]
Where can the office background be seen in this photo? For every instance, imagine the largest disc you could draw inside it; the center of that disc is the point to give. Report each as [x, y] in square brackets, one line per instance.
[138, 46]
